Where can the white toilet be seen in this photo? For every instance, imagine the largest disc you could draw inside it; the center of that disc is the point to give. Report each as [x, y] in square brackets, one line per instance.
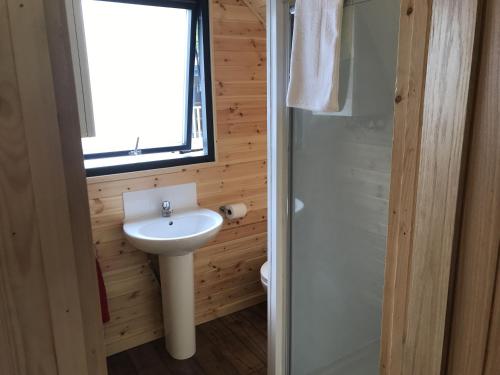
[264, 275]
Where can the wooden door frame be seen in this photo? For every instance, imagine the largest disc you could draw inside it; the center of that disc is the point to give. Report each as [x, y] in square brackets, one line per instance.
[50, 318]
[437, 50]
[475, 321]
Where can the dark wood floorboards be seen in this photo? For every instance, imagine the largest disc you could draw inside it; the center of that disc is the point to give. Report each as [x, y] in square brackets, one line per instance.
[234, 344]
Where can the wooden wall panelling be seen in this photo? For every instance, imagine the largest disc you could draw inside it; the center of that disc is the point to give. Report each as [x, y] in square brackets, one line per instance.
[449, 65]
[227, 274]
[44, 327]
[475, 330]
[258, 7]
[412, 59]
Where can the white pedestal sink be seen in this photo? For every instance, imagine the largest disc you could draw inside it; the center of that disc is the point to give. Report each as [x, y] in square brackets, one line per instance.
[174, 239]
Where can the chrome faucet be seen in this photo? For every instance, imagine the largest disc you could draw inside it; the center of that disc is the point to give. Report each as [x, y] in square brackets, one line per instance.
[166, 209]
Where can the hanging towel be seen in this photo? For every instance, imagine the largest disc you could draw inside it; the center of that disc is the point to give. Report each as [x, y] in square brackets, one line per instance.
[102, 294]
[315, 60]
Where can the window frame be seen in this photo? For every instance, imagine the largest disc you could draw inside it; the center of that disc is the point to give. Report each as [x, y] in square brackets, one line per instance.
[199, 22]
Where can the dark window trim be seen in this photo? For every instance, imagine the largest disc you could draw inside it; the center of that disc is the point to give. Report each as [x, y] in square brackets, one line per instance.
[206, 66]
[200, 16]
[193, 21]
[155, 150]
[148, 165]
[180, 4]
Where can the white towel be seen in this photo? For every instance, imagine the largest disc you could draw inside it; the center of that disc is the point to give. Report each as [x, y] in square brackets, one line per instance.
[315, 61]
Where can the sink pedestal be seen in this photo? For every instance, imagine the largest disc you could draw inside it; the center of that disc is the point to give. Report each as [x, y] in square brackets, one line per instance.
[174, 239]
[177, 288]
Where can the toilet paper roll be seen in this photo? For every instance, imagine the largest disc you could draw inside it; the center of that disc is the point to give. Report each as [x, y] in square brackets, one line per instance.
[235, 211]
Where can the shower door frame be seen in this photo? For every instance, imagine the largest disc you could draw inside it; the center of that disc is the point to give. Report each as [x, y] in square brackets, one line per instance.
[279, 135]
[429, 106]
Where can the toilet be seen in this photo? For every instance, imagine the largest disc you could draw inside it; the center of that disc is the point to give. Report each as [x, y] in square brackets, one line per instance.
[264, 275]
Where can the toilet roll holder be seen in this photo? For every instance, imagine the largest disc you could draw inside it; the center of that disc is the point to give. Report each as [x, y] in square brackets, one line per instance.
[225, 210]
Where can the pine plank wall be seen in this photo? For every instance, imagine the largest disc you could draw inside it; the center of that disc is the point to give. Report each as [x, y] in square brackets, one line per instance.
[227, 275]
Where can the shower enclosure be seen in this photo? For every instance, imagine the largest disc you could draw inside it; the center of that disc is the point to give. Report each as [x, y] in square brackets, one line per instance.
[329, 192]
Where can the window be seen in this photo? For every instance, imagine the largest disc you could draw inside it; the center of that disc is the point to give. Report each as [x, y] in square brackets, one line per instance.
[142, 71]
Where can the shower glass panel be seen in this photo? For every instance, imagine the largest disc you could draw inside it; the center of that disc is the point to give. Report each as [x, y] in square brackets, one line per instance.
[340, 167]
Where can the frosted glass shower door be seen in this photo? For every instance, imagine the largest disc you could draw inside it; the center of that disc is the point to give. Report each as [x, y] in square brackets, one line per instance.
[340, 167]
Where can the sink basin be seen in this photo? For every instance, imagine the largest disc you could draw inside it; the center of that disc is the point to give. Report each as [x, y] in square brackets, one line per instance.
[179, 234]
[174, 239]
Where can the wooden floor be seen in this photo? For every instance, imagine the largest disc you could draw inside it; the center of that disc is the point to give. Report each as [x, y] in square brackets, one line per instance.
[234, 344]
